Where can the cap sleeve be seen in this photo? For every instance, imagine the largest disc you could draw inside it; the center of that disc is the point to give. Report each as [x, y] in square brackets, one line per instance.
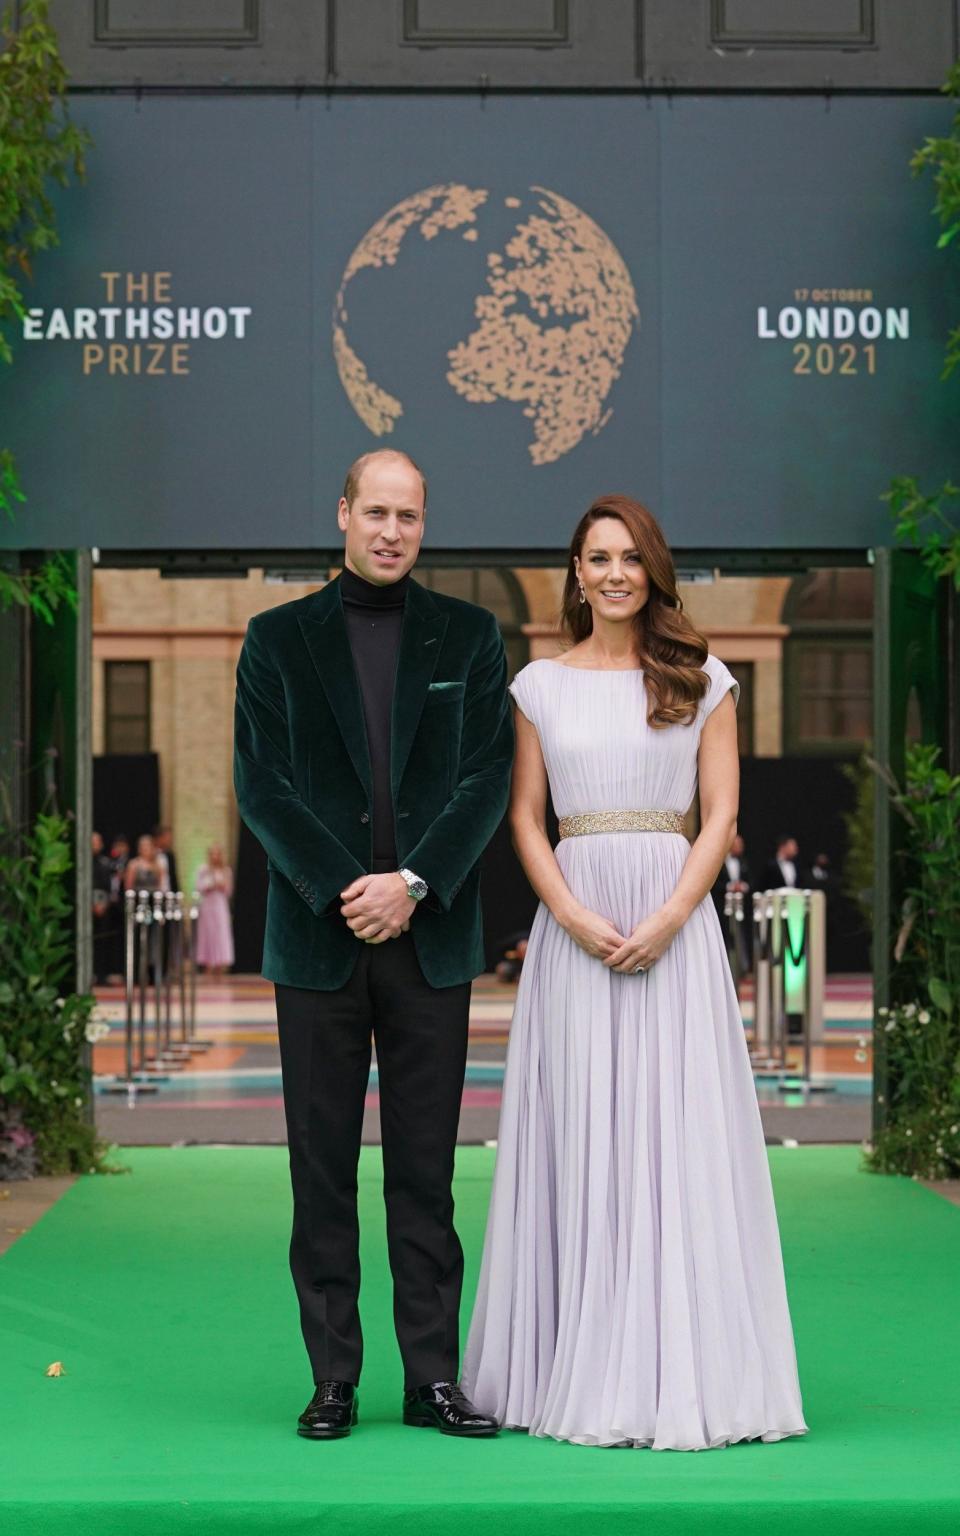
[722, 681]
[522, 690]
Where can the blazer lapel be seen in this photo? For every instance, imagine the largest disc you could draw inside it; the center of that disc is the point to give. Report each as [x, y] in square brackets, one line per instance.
[325, 631]
[421, 637]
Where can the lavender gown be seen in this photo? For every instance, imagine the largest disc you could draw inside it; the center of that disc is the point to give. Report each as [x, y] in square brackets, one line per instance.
[632, 1284]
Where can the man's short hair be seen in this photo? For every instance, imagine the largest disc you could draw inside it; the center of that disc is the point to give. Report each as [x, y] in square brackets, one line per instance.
[351, 485]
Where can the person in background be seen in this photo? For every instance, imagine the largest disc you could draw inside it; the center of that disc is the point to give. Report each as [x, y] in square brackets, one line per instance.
[512, 951]
[735, 876]
[163, 842]
[119, 858]
[147, 871]
[104, 914]
[215, 924]
[784, 868]
[821, 874]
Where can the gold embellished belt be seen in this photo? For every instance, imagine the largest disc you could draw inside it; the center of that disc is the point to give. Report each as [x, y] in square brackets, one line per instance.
[621, 821]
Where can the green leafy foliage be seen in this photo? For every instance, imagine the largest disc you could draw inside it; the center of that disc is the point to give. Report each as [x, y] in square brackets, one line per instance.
[858, 865]
[45, 1079]
[941, 156]
[922, 1030]
[920, 520]
[39, 146]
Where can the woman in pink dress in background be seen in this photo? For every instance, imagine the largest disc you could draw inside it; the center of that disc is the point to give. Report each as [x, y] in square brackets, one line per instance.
[215, 924]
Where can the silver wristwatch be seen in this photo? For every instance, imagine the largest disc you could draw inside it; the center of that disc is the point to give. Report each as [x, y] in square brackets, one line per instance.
[416, 887]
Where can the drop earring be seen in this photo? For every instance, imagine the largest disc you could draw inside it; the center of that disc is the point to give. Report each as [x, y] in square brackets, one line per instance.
[583, 595]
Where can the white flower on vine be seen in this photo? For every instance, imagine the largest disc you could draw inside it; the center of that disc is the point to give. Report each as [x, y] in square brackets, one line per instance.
[68, 1030]
[61, 1001]
[78, 1101]
[923, 1016]
[909, 1010]
[882, 1013]
[96, 1029]
[888, 1027]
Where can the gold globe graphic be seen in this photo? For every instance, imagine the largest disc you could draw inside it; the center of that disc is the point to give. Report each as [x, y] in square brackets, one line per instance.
[550, 329]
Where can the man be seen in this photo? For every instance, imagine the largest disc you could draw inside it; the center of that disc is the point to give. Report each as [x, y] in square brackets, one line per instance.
[735, 876]
[783, 868]
[372, 760]
[102, 923]
[119, 859]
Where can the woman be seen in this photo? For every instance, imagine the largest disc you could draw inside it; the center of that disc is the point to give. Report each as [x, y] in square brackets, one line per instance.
[632, 1287]
[147, 871]
[214, 925]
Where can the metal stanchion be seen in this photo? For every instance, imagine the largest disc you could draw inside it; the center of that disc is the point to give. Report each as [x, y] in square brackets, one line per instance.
[132, 1082]
[778, 1009]
[193, 912]
[172, 922]
[162, 1057]
[733, 912]
[810, 1005]
[778, 990]
[761, 1054]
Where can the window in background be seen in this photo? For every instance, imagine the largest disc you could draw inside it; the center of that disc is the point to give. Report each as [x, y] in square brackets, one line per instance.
[126, 706]
[828, 662]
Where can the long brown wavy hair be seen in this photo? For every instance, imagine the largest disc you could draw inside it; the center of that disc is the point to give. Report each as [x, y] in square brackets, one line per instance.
[669, 649]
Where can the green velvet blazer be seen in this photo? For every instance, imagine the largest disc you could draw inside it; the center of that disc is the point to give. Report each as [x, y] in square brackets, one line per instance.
[304, 788]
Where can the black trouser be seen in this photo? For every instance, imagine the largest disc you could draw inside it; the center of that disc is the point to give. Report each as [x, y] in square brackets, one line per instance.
[421, 1039]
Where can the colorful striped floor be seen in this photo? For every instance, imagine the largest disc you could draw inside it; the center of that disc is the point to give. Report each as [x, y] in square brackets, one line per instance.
[232, 1091]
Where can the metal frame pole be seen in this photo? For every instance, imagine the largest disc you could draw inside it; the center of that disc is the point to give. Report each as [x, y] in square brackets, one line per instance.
[178, 1050]
[132, 1083]
[194, 911]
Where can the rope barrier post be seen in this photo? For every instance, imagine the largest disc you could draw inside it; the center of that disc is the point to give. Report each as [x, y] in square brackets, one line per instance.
[737, 938]
[160, 1059]
[147, 1067]
[778, 1012]
[179, 1050]
[760, 1051]
[131, 1082]
[129, 906]
[769, 1054]
[181, 974]
[807, 993]
[194, 910]
[810, 955]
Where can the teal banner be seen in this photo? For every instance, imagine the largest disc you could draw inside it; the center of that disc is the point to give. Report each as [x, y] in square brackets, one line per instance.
[731, 308]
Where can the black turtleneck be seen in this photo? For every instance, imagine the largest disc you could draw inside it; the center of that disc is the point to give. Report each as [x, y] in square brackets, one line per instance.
[374, 616]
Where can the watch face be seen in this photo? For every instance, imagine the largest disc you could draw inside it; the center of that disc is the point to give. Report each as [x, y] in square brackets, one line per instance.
[416, 886]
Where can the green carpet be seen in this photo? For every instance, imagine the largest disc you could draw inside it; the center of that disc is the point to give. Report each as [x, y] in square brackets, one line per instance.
[166, 1296]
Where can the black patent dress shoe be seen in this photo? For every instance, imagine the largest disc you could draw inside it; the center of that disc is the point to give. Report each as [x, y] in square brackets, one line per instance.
[331, 1412]
[441, 1405]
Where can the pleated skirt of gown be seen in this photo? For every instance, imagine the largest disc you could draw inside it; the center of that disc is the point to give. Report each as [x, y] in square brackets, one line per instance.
[632, 1286]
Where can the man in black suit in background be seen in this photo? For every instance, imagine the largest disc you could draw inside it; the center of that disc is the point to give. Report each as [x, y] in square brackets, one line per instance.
[784, 868]
[735, 876]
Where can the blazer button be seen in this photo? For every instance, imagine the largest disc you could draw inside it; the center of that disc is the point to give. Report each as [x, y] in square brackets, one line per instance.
[364, 817]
